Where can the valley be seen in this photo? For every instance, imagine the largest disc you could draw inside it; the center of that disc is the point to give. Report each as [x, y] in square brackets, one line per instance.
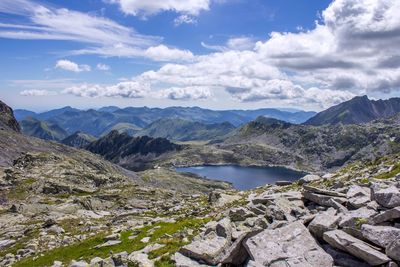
[118, 199]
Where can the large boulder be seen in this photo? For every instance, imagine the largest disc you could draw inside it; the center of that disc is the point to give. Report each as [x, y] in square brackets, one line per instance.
[358, 196]
[183, 261]
[387, 216]
[240, 214]
[384, 236]
[355, 218]
[324, 221]
[208, 249]
[387, 197]
[343, 241]
[291, 245]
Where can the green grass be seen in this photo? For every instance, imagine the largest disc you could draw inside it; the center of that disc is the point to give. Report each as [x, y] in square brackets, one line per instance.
[86, 250]
[390, 174]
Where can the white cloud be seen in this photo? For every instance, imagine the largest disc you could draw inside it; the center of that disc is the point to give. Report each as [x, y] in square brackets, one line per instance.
[37, 93]
[123, 89]
[101, 36]
[71, 66]
[102, 66]
[185, 93]
[185, 19]
[163, 53]
[140, 7]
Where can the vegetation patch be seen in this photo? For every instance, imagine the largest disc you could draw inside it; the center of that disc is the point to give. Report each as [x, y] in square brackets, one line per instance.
[392, 173]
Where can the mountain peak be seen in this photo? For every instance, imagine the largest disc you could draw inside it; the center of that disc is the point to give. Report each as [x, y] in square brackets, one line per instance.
[359, 109]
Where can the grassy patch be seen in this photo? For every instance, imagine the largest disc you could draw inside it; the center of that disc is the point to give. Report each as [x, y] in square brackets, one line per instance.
[86, 250]
[386, 175]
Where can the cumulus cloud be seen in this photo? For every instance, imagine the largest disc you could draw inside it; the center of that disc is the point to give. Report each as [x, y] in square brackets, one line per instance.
[100, 35]
[102, 66]
[163, 53]
[71, 66]
[37, 93]
[185, 93]
[140, 7]
[124, 89]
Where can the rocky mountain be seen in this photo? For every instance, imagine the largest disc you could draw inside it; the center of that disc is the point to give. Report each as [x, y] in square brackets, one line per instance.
[318, 147]
[357, 110]
[7, 119]
[184, 130]
[134, 153]
[78, 140]
[42, 129]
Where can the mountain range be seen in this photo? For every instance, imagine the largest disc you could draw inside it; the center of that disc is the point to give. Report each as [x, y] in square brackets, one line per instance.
[357, 110]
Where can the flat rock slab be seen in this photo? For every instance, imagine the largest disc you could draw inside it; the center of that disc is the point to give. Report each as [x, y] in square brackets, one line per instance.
[388, 197]
[355, 217]
[323, 191]
[323, 200]
[343, 241]
[290, 245]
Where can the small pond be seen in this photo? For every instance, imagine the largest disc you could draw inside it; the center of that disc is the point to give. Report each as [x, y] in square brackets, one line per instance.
[244, 178]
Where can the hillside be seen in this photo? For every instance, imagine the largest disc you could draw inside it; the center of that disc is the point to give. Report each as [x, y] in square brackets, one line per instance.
[319, 147]
[42, 129]
[122, 127]
[78, 140]
[357, 110]
[184, 130]
[134, 153]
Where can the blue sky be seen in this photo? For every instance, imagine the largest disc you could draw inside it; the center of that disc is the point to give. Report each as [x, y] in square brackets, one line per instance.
[218, 54]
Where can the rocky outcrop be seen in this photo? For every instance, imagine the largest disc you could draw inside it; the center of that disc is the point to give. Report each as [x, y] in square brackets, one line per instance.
[289, 245]
[7, 119]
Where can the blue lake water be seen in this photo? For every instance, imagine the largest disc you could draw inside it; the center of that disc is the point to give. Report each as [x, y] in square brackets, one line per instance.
[244, 178]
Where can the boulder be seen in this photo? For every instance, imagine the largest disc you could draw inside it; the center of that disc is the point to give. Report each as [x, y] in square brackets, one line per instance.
[388, 197]
[355, 218]
[384, 236]
[358, 196]
[207, 249]
[183, 261]
[387, 216]
[322, 200]
[309, 178]
[78, 264]
[343, 241]
[240, 214]
[291, 245]
[324, 221]
[343, 259]
[224, 228]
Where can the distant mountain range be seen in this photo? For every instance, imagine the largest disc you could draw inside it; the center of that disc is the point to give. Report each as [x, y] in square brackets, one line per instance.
[357, 110]
[101, 122]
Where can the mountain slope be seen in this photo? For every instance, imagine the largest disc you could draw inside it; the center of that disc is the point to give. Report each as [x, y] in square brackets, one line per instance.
[78, 140]
[184, 130]
[357, 110]
[122, 127]
[314, 147]
[42, 129]
[134, 153]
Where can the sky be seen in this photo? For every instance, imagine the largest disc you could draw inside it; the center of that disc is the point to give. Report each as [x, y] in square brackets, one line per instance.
[217, 54]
